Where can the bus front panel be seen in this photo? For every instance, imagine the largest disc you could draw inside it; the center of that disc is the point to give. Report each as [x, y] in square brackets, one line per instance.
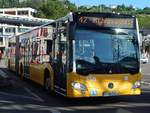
[95, 85]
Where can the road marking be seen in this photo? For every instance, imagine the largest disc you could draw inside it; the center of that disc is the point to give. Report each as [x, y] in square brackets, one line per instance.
[106, 106]
[15, 95]
[64, 109]
[145, 74]
[41, 108]
[3, 74]
[120, 110]
[146, 83]
[5, 101]
[54, 111]
[33, 94]
[28, 107]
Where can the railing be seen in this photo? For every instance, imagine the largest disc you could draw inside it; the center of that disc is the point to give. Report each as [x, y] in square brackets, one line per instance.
[19, 19]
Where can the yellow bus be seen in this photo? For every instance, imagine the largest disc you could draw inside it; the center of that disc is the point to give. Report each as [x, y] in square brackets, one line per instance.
[10, 52]
[82, 55]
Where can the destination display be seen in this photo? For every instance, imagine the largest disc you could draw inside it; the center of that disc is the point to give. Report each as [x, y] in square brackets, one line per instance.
[106, 22]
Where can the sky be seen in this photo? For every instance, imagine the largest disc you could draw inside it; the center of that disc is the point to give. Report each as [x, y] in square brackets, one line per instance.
[136, 3]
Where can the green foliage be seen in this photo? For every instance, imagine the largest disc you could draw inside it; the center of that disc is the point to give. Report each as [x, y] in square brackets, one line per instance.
[54, 9]
[45, 8]
[146, 10]
[144, 21]
[9, 3]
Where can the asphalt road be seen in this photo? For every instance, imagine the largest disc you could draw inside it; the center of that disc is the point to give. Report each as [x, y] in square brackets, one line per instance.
[28, 97]
[145, 68]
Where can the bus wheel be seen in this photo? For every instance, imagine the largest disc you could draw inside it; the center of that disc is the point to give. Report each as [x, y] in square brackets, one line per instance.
[8, 64]
[21, 71]
[47, 81]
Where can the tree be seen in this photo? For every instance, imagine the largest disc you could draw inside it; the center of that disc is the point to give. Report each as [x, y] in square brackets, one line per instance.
[54, 9]
[9, 3]
[144, 21]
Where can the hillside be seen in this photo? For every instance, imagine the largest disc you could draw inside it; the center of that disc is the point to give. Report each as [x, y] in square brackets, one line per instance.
[54, 9]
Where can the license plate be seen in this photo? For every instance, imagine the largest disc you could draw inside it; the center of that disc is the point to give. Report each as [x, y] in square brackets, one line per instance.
[93, 93]
[106, 94]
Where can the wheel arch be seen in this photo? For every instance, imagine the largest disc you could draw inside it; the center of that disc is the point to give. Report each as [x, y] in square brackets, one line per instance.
[48, 73]
[21, 68]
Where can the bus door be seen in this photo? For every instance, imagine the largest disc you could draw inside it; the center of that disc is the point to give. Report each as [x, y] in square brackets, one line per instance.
[35, 65]
[60, 62]
[27, 57]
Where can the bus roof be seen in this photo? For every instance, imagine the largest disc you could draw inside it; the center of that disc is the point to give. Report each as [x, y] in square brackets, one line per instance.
[111, 15]
[70, 16]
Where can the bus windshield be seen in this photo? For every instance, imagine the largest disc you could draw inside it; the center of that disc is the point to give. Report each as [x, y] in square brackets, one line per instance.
[106, 51]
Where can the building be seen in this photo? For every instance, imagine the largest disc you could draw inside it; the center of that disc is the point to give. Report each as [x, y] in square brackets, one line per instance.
[14, 21]
[7, 31]
[25, 12]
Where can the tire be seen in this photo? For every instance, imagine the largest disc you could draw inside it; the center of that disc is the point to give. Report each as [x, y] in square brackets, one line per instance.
[21, 71]
[9, 65]
[47, 80]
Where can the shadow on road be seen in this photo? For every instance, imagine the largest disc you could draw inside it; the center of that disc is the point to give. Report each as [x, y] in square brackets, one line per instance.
[28, 97]
[60, 104]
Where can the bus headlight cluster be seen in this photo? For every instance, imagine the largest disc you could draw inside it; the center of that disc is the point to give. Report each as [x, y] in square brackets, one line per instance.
[78, 86]
[136, 84]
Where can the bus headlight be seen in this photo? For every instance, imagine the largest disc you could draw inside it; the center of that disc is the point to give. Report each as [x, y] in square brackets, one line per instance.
[136, 84]
[78, 86]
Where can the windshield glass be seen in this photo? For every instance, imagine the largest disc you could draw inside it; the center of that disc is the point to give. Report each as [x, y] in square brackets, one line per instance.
[106, 51]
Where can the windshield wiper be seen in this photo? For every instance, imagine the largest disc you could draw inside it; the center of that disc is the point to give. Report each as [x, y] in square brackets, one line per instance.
[130, 69]
[128, 59]
[87, 67]
[129, 64]
[90, 70]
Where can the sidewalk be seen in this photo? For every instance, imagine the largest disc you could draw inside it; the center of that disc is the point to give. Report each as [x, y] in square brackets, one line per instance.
[4, 78]
[146, 72]
[3, 63]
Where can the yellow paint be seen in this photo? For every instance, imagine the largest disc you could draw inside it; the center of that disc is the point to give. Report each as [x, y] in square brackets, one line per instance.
[100, 83]
[37, 73]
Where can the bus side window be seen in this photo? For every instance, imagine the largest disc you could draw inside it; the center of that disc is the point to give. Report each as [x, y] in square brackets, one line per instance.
[49, 46]
[63, 50]
[49, 49]
[35, 52]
